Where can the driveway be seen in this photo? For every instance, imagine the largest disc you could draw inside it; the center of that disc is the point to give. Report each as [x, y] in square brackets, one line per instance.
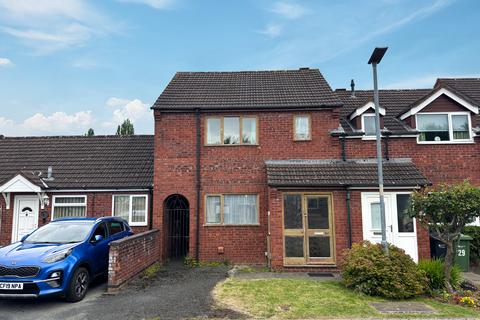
[175, 292]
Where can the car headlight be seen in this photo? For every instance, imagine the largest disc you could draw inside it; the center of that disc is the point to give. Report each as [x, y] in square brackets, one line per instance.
[57, 256]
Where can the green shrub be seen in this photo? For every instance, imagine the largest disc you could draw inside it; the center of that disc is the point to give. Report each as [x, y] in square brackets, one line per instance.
[474, 232]
[366, 268]
[434, 270]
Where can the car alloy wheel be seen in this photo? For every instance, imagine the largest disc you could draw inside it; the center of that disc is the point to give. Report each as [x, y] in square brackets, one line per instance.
[81, 283]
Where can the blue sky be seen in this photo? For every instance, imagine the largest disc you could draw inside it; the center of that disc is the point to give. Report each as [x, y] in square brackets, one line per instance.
[68, 65]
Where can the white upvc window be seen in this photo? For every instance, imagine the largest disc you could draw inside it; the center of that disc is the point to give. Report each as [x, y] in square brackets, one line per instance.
[368, 124]
[444, 127]
[231, 209]
[302, 127]
[71, 206]
[132, 208]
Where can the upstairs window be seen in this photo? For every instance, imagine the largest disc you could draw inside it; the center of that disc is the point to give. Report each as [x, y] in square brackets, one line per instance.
[444, 127]
[302, 128]
[368, 124]
[232, 131]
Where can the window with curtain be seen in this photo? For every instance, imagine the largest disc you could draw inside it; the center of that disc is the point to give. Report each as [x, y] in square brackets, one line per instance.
[231, 131]
[438, 127]
[69, 207]
[302, 128]
[369, 125]
[132, 208]
[232, 209]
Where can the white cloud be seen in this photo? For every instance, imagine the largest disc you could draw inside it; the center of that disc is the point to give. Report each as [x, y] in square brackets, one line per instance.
[41, 124]
[135, 110]
[289, 10]
[51, 25]
[271, 30]
[4, 62]
[157, 4]
[58, 121]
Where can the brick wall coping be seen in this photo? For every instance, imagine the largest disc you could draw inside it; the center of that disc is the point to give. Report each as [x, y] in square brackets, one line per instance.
[133, 237]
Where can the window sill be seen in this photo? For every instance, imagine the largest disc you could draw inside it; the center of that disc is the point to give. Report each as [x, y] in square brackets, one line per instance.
[302, 140]
[231, 145]
[446, 142]
[138, 224]
[230, 225]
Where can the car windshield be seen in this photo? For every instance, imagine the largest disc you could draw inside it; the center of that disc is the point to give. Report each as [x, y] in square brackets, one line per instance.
[61, 232]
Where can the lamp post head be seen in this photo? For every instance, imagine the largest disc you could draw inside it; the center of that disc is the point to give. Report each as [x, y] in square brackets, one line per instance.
[377, 55]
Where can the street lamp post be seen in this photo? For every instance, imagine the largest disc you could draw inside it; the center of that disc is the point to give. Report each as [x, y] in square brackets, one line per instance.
[375, 59]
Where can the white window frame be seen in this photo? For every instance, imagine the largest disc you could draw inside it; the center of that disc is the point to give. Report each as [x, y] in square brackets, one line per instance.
[309, 118]
[222, 208]
[450, 127]
[69, 204]
[368, 136]
[130, 222]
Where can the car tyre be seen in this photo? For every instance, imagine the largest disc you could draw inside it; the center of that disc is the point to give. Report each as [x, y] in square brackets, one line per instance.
[78, 286]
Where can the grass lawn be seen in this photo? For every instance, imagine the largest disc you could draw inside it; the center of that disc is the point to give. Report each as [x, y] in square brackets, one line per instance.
[294, 298]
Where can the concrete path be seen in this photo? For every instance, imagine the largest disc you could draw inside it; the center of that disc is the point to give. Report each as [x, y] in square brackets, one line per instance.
[472, 277]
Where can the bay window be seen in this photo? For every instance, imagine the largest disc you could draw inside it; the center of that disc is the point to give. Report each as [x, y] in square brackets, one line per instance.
[232, 209]
[132, 208]
[231, 131]
[442, 127]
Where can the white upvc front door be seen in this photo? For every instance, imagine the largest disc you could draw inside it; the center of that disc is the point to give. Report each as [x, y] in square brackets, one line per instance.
[25, 216]
[401, 229]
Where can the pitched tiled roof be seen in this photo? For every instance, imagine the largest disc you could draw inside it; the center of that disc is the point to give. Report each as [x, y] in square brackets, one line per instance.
[80, 162]
[247, 90]
[394, 102]
[331, 173]
[467, 86]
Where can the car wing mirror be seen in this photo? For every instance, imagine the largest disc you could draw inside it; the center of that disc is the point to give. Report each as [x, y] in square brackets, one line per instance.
[97, 238]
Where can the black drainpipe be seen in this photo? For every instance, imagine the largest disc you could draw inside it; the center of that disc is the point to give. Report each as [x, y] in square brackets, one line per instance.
[198, 184]
[343, 141]
[386, 139]
[349, 220]
[150, 208]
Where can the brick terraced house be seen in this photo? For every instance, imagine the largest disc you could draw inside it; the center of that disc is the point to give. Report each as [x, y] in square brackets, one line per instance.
[275, 167]
[46, 178]
[265, 167]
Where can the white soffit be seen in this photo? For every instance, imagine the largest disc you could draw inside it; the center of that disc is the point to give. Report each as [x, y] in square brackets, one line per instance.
[433, 97]
[363, 109]
[19, 184]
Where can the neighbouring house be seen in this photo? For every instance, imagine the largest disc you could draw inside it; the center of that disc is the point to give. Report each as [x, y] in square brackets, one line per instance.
[46, 178]
[275, 167]
[261, 167]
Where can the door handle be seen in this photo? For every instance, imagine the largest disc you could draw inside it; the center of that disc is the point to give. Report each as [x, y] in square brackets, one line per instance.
[391, 228]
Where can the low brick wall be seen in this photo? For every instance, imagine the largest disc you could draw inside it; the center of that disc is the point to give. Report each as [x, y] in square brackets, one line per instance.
[130, 256]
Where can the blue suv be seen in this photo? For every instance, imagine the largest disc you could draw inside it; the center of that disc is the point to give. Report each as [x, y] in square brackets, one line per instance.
[62, 257]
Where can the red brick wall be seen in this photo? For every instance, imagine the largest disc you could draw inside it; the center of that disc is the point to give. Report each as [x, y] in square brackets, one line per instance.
[241, 169]
[130, 256]
[99, 204]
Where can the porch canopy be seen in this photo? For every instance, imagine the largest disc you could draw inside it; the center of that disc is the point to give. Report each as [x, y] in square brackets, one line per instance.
[23, 182]
[337, 173]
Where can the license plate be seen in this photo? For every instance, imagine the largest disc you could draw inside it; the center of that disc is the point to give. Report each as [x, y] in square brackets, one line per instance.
[11, 286]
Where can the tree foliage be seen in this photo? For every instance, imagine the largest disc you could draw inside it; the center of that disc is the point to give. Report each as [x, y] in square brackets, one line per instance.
[445, 210]
[90, 132]
[126, 128]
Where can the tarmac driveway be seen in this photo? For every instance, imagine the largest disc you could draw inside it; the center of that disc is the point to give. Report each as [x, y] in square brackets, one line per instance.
[175, 292]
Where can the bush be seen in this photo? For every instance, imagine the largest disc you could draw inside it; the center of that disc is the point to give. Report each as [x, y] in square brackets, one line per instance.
[474, 232]
[366, 268]
[434, 270]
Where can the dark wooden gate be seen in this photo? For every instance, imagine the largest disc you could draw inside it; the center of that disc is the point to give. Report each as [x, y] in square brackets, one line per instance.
[177, 219]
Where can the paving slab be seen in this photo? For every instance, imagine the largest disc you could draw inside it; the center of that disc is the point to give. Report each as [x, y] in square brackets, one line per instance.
[403, 308]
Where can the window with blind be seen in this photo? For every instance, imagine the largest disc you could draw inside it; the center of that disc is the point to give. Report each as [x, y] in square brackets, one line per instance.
[302, 130]
[132, 208]
[232, 209]
[69, 207]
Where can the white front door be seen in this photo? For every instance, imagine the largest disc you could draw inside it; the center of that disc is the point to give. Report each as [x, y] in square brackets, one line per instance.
[401, 229]
[25, 216]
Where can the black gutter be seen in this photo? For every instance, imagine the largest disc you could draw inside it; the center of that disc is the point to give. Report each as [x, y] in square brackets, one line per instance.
[150, 208]
[253, 109]
[197, 183]
[349, 221]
